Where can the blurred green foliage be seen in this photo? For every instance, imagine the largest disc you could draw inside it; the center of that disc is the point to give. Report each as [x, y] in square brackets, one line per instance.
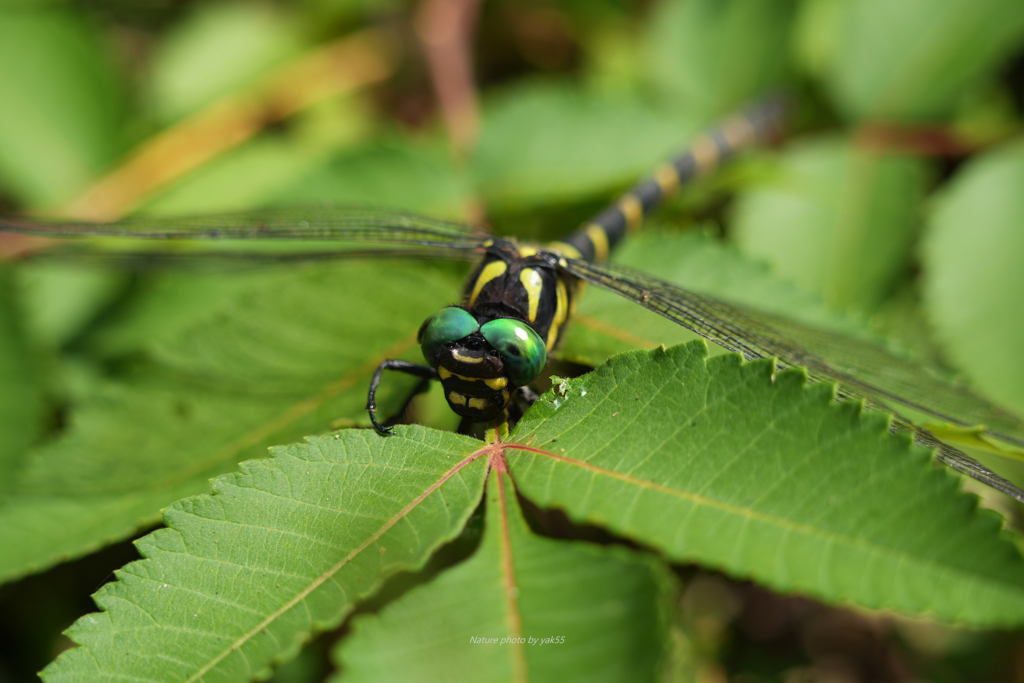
[897, 202]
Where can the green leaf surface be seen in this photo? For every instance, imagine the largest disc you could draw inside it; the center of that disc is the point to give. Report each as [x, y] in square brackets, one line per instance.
[836, 219]
[974, 283]
[294, 171]
[818, 24]
[241, 578]
[59, 123]
[21, 405]
[713, 461]
[219, 48]
[61, 299]
[761, 475]
[286, 355]
[606, 323]
[241, 178]
[714, 55]
[521, 608]
[372, 174]
[548, 143]
[912, 60]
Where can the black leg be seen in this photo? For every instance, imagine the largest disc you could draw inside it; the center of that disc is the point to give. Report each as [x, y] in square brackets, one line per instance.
[426, 372]
[468, 428]
[528, 395]
[525, 397]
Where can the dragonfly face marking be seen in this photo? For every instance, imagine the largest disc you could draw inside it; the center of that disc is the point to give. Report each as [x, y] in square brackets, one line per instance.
[474, 377]
[495, 383]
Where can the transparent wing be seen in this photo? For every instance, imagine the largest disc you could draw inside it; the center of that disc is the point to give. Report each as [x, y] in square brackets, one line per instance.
[863, 370]
[231, 260]
[313, 224]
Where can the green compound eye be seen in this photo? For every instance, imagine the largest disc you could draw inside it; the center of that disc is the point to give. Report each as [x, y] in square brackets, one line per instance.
[521, 348]
[447, 325]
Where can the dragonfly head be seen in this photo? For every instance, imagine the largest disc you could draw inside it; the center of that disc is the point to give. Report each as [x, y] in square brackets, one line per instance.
[480, 365]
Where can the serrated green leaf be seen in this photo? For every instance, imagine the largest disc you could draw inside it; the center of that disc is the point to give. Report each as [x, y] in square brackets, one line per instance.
[973, 282]
[521, 608]
[838, 219]
[912, 60]
[719, 462]
[714, 55]
[586, 144]
[268, 363]
[764, 477]
[241, 578]
[59, 123]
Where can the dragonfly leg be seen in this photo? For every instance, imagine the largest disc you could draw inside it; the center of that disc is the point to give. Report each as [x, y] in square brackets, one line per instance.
[528, 395]
[525, 398]
[424, 371]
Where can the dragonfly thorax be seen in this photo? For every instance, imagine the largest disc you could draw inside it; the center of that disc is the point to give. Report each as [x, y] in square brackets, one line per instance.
[522, 282]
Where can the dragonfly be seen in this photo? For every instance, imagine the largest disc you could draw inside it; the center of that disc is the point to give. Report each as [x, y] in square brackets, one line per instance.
[518, 300]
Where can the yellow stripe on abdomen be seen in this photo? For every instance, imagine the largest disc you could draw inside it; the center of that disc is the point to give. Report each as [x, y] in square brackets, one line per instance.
[633, 211]
[598, 238]
[705, 153]
[667, 178]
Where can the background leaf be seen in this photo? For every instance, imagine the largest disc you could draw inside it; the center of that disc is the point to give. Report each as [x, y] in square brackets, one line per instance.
[62, 104]
[21, 404]
[973, 283]
[606, 323]
[912, 61]
[588, 143]
[712, 56]
[838, 219]
[219, 48]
